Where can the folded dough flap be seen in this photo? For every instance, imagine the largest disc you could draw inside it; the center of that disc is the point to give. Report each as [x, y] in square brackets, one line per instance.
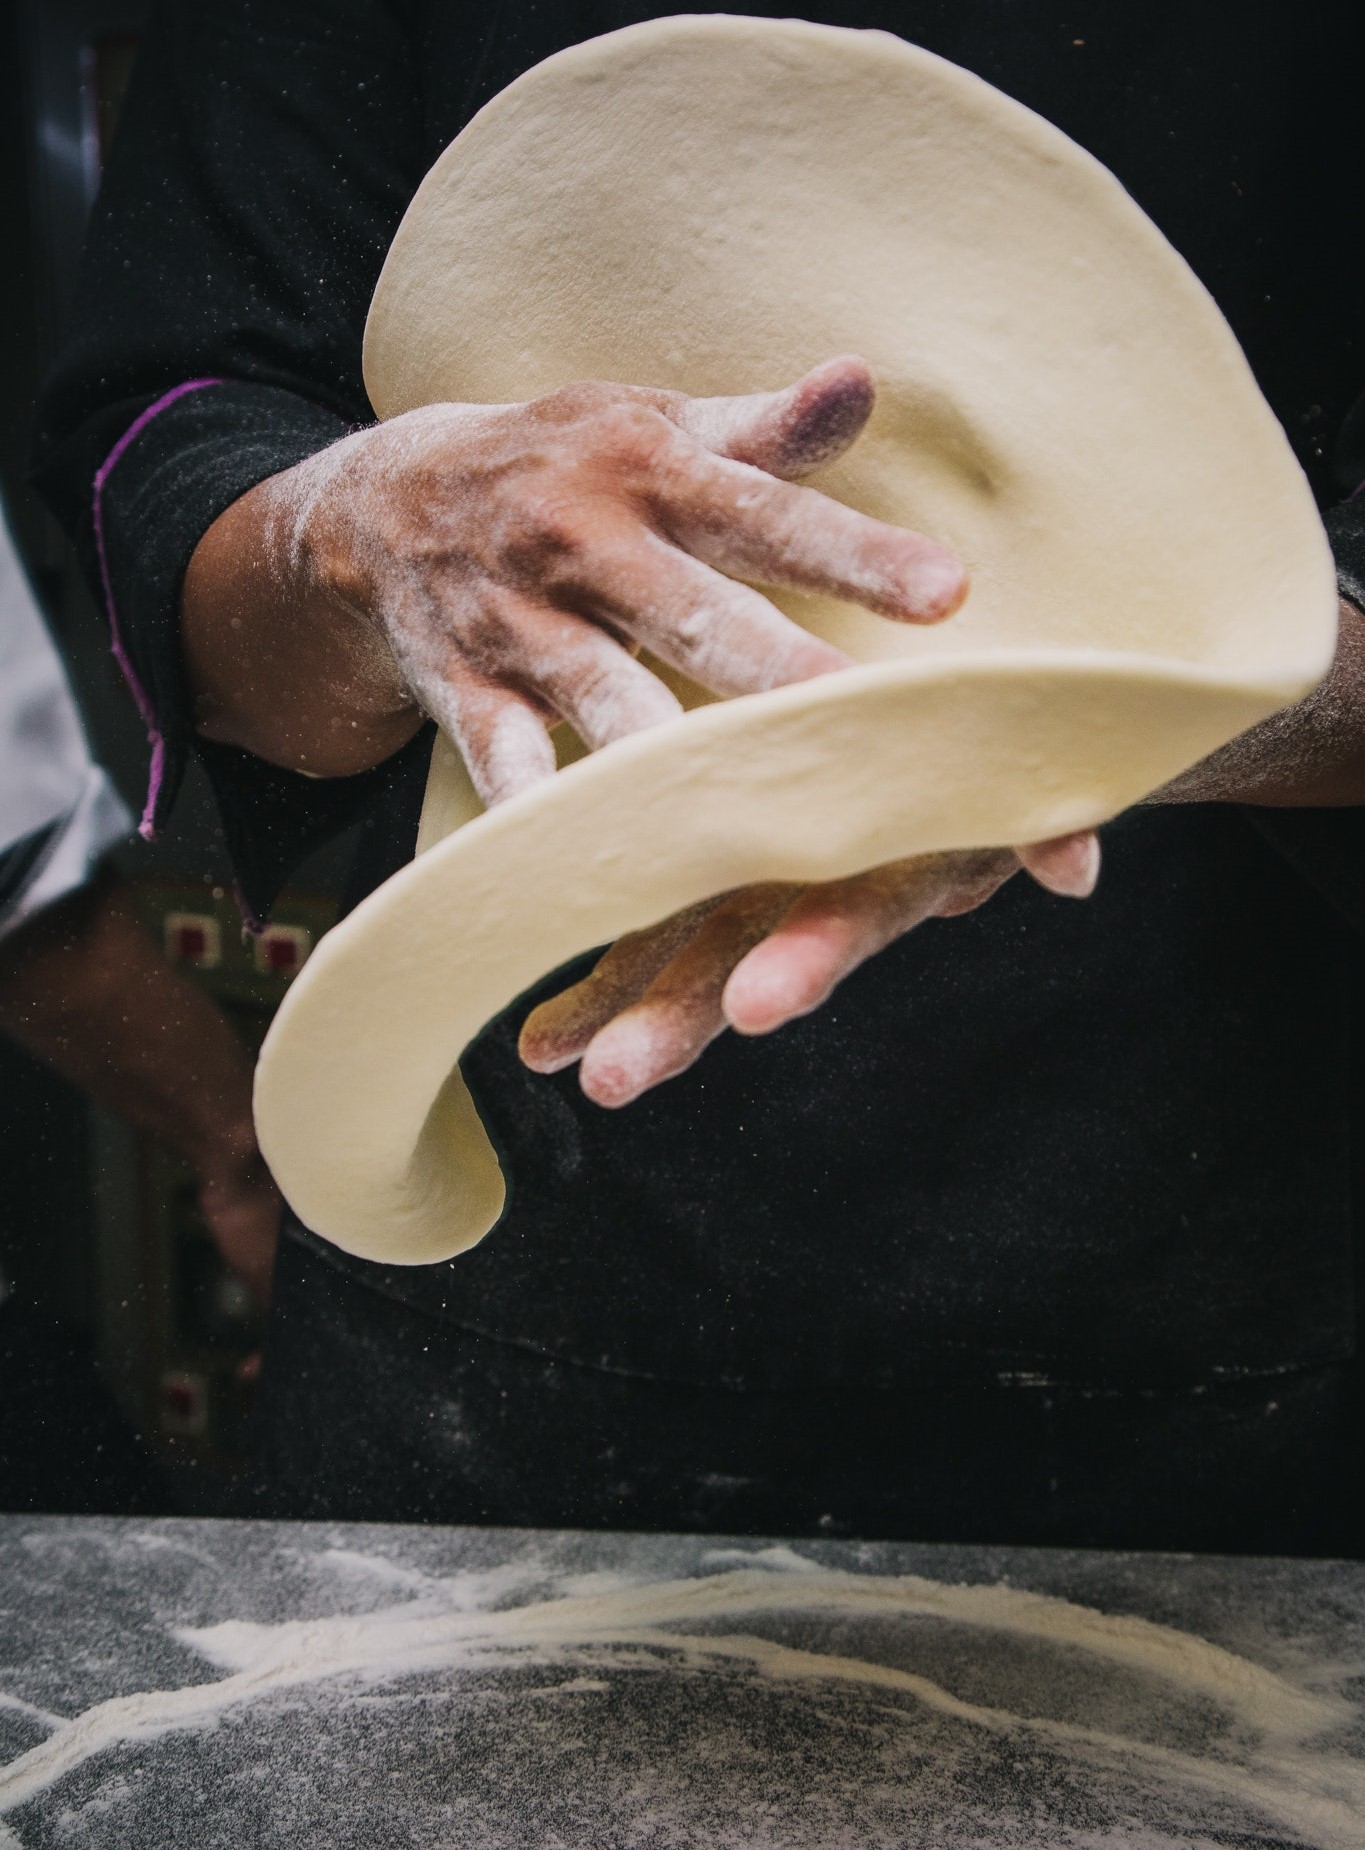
[360, 1109]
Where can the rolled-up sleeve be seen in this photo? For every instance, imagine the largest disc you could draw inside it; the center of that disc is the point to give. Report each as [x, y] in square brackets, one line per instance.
[1326, 847]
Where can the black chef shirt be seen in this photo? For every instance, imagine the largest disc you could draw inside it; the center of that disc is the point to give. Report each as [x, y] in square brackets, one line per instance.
[1107, 1146]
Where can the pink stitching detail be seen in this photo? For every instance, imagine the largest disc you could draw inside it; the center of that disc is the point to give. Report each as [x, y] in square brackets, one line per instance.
[146, 828]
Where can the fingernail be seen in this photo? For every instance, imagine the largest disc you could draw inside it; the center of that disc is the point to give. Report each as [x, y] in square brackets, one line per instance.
[545, 1057]
[609, 1087]
[1083, 867]
[758, 997]
[824, 427]
[942, 586]
[754, 1008]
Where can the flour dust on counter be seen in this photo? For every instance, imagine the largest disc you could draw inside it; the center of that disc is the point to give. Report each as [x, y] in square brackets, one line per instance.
[214, 1684]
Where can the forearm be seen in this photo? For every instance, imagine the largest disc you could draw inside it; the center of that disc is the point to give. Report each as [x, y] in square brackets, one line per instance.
[85, 990]
[1312, 756]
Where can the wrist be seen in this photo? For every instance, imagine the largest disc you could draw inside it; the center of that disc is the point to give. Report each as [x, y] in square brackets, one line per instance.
[1307, 756]
[283, 645]
[327, 520]
[314, 524]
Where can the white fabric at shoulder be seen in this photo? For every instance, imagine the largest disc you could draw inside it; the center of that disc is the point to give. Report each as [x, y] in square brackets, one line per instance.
[715, 204]
[47, 778]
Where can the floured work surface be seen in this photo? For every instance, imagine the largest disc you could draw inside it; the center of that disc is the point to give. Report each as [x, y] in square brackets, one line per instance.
[170, 1684]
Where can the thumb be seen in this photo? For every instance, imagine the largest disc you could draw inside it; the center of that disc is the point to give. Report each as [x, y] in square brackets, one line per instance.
[793, 432]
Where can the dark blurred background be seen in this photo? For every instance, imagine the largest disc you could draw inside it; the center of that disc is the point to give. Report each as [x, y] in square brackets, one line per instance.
[98, 1225]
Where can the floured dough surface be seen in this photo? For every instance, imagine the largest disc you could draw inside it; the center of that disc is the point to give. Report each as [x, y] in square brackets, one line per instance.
[716, 204]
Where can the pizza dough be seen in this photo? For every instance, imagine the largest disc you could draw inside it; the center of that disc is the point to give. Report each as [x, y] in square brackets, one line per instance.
[716, 204]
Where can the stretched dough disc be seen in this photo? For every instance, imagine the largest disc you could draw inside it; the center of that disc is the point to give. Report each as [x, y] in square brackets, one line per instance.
[716, 204]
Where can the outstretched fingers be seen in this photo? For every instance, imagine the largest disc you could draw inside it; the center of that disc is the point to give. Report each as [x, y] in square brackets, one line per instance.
[748, 524]
[833, 928]
[558, 1031]
[680, 1013]
[576, 668]
[759, 958]
[723, 635]
[533, 663]
[500, 733]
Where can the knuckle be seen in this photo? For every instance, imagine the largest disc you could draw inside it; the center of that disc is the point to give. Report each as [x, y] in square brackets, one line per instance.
[609, 415]
[586, 398]
[595, 689]
[544, 545]
[638, 429]
[698, 628]
[469, 632]
[486, 639]
[632, 438]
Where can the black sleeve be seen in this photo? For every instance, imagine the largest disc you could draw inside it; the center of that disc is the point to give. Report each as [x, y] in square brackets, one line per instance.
[267, 151]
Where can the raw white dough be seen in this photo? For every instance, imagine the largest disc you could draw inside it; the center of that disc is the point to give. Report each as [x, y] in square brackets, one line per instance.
[716, 204]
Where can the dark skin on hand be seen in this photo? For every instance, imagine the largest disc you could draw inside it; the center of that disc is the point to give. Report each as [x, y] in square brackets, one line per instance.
[498, 567]
[86, 991]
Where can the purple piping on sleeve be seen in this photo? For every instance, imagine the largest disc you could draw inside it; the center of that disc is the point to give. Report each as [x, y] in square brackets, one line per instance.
[147, 827]
[252, 922]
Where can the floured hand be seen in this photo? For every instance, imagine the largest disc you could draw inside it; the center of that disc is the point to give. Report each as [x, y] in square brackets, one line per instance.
[497, 566]
[755, 959]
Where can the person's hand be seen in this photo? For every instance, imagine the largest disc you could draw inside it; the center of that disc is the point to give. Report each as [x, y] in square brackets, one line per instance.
[85, 988]
[755, 959]
[241, 1208]
[496, 567]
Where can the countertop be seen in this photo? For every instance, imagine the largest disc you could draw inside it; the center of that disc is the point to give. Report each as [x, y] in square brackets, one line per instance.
[173, 1684]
